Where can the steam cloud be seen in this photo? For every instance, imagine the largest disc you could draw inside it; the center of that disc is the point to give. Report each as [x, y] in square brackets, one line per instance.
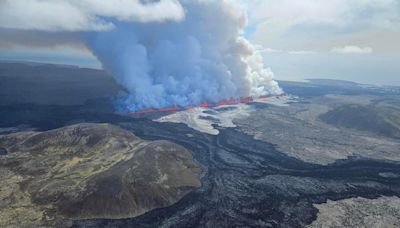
[202, 57]
[194, 53]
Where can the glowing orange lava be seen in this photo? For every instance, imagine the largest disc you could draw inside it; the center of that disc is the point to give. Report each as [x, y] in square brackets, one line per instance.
[206, 104]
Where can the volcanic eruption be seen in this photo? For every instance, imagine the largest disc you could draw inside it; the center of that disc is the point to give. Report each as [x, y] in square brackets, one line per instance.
[183, 61]
[164, 53]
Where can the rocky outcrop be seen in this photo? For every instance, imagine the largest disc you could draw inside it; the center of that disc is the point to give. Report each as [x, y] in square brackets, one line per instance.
[359, 212]
[89, 171]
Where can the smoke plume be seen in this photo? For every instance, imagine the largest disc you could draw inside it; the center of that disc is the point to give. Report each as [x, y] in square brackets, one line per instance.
[163, 52]
[199, 58]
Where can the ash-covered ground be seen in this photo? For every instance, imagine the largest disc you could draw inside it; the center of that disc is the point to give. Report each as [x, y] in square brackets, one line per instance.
[287, 162]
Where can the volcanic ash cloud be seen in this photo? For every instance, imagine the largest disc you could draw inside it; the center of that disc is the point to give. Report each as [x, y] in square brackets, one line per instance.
[199, 57]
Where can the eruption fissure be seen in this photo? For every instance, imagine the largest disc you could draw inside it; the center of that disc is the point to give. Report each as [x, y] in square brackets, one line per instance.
[205, 104]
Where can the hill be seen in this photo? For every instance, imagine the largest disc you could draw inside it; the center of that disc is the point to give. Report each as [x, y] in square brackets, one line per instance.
[89, 171]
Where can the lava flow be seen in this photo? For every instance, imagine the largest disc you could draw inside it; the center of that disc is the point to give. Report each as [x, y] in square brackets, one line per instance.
[205, 104]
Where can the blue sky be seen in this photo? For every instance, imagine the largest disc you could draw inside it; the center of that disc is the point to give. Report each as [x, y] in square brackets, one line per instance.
[354, 40]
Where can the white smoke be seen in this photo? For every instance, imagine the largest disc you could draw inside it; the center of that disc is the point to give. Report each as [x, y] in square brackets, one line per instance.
[164, 52]
[203, 57]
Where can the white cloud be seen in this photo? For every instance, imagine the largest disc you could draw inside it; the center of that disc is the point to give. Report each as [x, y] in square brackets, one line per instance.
[278, 51]
[352, 50]
[270, 50]
[303, 52]
[82, 15]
